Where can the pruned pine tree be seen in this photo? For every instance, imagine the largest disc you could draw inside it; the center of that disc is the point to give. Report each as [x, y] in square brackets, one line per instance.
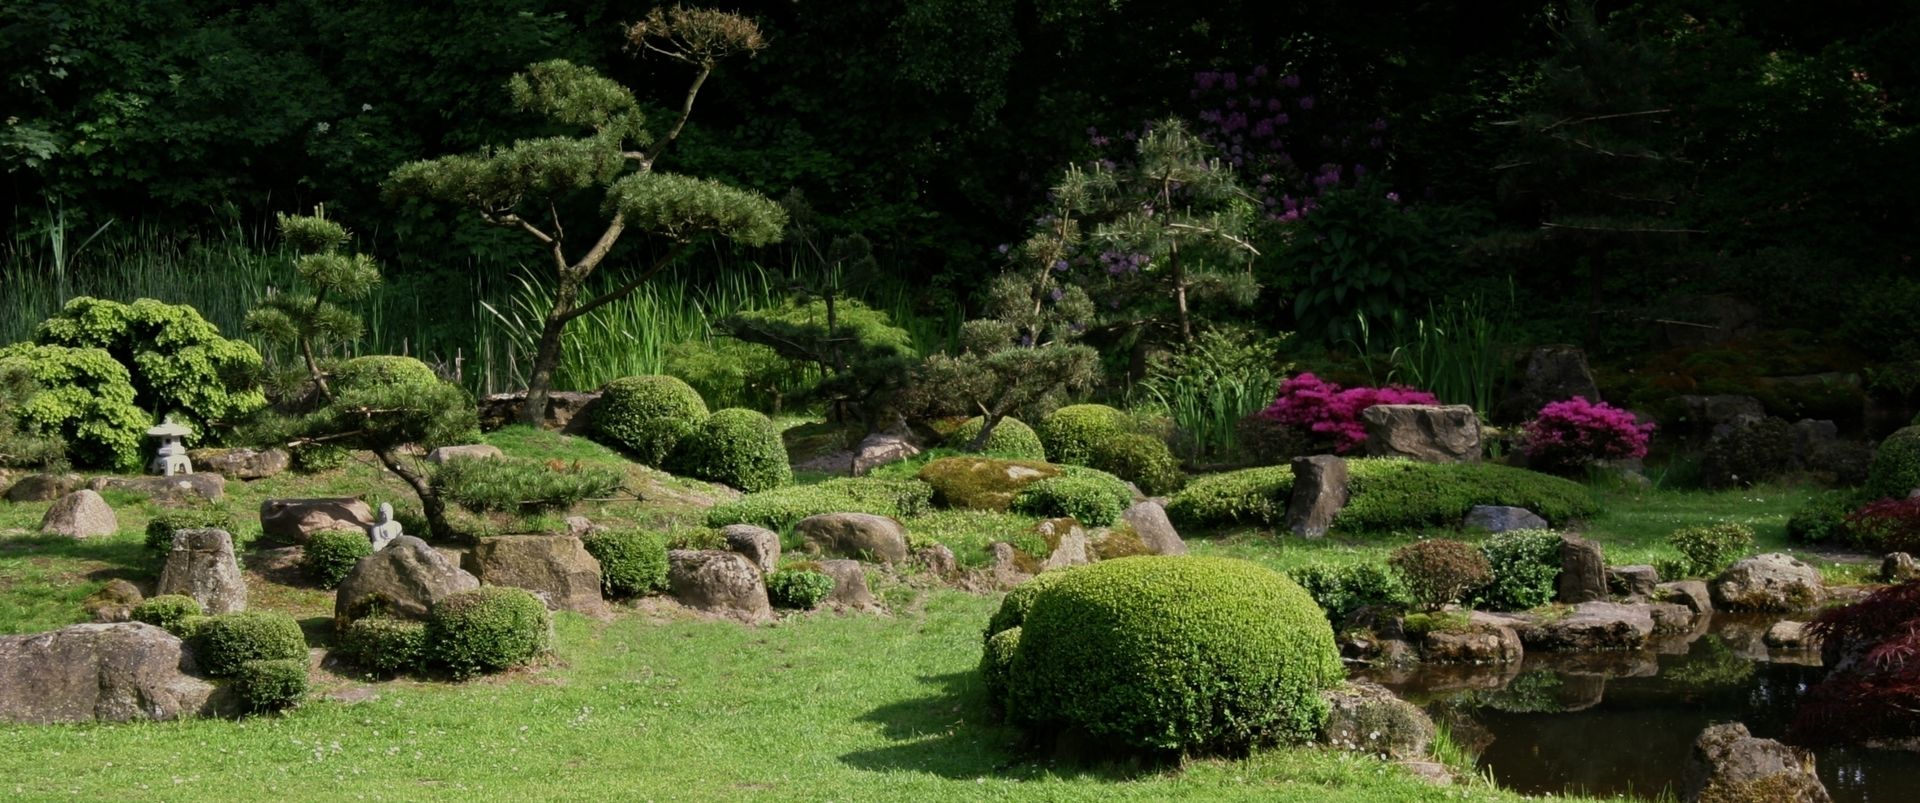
[309, 323]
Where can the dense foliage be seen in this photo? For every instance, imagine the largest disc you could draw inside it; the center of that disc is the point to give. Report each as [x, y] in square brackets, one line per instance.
[1572, 433]
[1896, 466]
[1011, 438]
[798, 588]
[1707, 549]
[486, 630]
[225, 643]
[521, 485]
[647, 416]
[267, 685]
[632, 562]
[83, 397]
[1092, 499]
[1331, 413]
[780, 508]
[385, 645]
[1877, 689]
[737, 447]
[1340, 589]
[163, 525]
[167, 611]
[1525, 566]
[330, 555]
[1440, 571]
[178, 361]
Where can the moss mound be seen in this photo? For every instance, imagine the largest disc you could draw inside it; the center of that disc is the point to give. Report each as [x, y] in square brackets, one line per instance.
[982, 483]
[780, 508]
[1896, 466]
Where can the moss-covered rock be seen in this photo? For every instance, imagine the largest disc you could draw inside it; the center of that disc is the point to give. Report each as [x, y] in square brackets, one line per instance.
[982, 483]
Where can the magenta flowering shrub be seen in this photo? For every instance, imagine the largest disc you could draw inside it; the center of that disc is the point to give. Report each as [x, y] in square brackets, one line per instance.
[1329, 411]
[1577, 432]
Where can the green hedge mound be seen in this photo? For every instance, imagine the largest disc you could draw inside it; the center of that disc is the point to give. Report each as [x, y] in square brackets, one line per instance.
[647, 416]
[1011, 439]
[735, 447]
[781, 508]
[1385, 495]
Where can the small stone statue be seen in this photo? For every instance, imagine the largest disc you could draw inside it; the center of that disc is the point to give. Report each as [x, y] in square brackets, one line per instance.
[384, 529]
[172, 456]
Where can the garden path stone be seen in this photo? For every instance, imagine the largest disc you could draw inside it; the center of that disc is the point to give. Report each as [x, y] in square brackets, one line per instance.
[1583, 571]
[1775, 582]
[81, 514]
[242, 463]
[720, 582]
[201, 565]
[43, 487]
[1591, 627]
[556, 568]
[477, 451]
[849, 584]
[1367, 718]
[113, 602]
[1728, 765]
[99, 673]
[1501, 518]
[862, 536]
[1634, 581]
[1149, 521]
[759, 544]
[296, 520]
[405, 579]
[1319, 492]
[1424, 432]
[181, 487]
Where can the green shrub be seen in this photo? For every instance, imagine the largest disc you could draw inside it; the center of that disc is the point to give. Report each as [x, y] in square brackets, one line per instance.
[736, 447]
[1014, 606]
[331, 555]
[176, 359]
[1708, 549]
[647, 416]
[1075, 433]
[1896, 466]
[231, 639]
[167, 611]
[996, 662]
[382, 370]
[1391, 494]
[83, 397]
[1011, 439]
[1090, 500]
[1526, 566]
[487, 629]
[1748, 452]
[1143, 460]
[190, 627]
[1248, 496]
[633, 563]
[18, 447]
[268, 685]
[802, 589]
[385, 645]
[1340, 589]
[982, 483]
[520, 485]
[1197, 655]
[696, 538]
[1822, 518]
[161, 527]
[315, 458]
[780, 508]
[1440, 571]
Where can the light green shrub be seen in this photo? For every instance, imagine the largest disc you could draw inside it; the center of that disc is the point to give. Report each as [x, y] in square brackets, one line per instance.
[1526, 565]
[520, 485]
[1143, 460]
[84, 397]
[177, 360]
[647, 416]
[1011, 439]
[1095, 501]
[267, 685]
[228, 641]
[487, 629]
[1708, 549]
[632, 562]
[798, 588]
[386, 645]
[780, 508]
[167, 611]
[735, 447]
[1074, 433]
[1340, 589]
[1248, 496]
[161, 527]
[330, 555]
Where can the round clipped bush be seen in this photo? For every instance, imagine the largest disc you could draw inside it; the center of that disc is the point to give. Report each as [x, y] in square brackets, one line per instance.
[1014, 606]
[487, 629]
[1091, 499]
[1440, 571]
[1075, 433]
[1706, 549]
[385, 645]
[648, 415]
[736, 447]
[1525, 564]
[1011, 439]
[633, 563]
[1248, 496]
[230, 640]
[382, 370]
[996, 661]
[331, 555]
[161, 527]
[268, 685]
[1197, 655]
[167, 611]
[1896, 466]
[1143, 460]
[798, 588]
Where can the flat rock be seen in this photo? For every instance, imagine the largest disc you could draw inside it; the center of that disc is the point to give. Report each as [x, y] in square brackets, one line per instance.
[201, 565]
[879, 449]
[1790, 635]
[404, 580]
[568, 411]
[1691, 593]
[1775, 582]
[862, 536]
[99, 673]
[1423, 432]
[243, 463]
[81, 514]
[717, 581]
[849, 584]
[1671, 617]
[1728, 765]
[43, 487]
[759, 544]
[1636, 581]
[1487, 639]
[1583, 571]
[478, 451]
[1591, 627]
[1502, 518]
[296, 520]
[1368, 718]
[557, 568]
[180, 487]
[1319, 493]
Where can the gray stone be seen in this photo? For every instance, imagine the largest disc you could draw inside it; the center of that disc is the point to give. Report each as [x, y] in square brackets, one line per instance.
[384, 528]
[1149, 521]
[243, 463]
[1728, 765]
[1899, 567]
[759, 544]
[201, 565]
[1583, 571]
[1006, 571]
[477, 451]
[849, 584]
[581, 526]
[1319, 492]
[404, 580]
[1790, 635]
[879, 449]
[296, 520]
[1692, 594]
[568, 412]
[1366, 718]
[1671, 617]
[99, 673]
[43, 487]
[1772, 582]
[861, 536]
[1427, 433]
[721, 582]
[1485, 639]
[1636, 581]
[179, 487]
[1701, 321]
[556, 568]
[113, 602]
[81, 514]
[1700, 416]
[1502, 518]
[937, 559]
[1553, 373]
[1071, 546]
[1590, 627]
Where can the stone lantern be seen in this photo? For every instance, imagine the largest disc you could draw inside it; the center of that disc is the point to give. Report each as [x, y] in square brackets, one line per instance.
[171, 459]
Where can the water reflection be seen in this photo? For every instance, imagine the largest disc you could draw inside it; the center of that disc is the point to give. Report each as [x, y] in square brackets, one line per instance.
[1621, 723]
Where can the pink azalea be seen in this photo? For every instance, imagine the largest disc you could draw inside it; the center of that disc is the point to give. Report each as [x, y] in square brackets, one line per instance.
[1576, 432]
[1328, 410]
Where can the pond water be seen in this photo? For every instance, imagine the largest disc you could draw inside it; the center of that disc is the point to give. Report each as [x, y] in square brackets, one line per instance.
[1623, 723]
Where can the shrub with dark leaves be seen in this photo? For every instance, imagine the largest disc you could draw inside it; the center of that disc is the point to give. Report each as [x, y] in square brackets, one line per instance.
[1877, 693]
[1440, 571]
[1889, 525]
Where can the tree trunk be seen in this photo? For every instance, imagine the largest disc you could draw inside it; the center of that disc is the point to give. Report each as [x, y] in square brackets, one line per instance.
[546, 356]
[430, 503]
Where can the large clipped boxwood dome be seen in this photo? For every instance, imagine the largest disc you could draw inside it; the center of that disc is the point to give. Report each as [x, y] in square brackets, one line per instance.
[382, 370]
[738, 447]
[1896, 465]
[648, 415]
[1077, 433]
[1197, 655]
[1011, 439]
